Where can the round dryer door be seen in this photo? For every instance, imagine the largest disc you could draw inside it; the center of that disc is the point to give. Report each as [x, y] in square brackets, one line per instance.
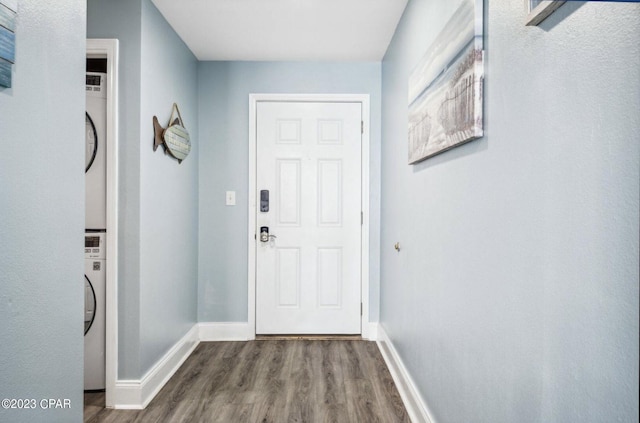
[89, 304]
[91, 137]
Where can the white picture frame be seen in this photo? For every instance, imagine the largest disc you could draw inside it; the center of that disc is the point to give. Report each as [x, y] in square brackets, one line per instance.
[539, 10]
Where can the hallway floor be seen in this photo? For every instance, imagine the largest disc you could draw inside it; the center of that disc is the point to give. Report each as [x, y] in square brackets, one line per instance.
[271, 381]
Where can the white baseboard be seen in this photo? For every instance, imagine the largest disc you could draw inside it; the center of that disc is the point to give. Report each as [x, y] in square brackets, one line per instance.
[413, 402]
[225, 331]
[137, 394]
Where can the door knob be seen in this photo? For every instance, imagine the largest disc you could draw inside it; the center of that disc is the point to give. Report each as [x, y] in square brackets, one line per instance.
[264, 234]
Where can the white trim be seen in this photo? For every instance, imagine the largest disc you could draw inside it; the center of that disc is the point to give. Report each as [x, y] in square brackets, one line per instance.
[364, 246]
[137, 394]
[413, 402]
[251, 234]
[109, 48]
[371, 332]
[251, 272]
[225, 331]
[541, 12]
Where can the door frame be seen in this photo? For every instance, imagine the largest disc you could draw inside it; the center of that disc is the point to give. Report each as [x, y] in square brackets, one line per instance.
[109, 48]
[363, 99]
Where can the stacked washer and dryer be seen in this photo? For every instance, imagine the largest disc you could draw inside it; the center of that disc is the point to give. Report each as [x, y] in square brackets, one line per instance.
[95, 225]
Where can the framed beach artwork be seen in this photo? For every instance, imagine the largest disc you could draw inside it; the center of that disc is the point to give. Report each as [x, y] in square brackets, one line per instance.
[445, 88]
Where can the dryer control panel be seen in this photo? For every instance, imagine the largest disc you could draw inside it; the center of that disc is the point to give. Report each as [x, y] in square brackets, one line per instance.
[95, 246]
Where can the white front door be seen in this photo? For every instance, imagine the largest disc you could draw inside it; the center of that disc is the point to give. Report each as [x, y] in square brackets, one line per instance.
[308, 273]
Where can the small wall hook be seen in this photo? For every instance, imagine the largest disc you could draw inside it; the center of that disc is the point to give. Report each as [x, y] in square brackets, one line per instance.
[397, 246]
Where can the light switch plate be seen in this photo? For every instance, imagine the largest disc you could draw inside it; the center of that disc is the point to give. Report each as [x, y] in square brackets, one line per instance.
[231, 198]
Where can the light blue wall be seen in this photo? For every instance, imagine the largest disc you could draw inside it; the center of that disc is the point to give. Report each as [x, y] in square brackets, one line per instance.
[224, 151]
[168, 192]
[515, 295]
[42, 213]
[158, 213]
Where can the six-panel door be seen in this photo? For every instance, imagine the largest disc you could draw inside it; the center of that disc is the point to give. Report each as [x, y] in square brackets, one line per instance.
[308, 273]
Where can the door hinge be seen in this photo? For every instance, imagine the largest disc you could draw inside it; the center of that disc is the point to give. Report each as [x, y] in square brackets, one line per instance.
[360, 309]
[362, 126]
[361, 218]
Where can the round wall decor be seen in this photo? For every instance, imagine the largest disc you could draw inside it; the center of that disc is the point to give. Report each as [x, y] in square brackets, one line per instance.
[175, 138]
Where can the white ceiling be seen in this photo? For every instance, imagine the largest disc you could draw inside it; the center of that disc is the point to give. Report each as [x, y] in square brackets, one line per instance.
[284, 30]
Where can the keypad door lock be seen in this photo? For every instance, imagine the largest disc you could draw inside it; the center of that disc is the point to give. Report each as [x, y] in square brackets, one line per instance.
[264, 201]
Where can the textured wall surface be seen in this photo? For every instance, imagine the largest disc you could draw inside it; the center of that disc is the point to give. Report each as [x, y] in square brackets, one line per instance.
[224, 155]
[42, 213]
[515, 296]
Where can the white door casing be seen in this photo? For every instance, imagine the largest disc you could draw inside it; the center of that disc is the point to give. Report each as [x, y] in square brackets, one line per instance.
[109, 49]
[309, 277]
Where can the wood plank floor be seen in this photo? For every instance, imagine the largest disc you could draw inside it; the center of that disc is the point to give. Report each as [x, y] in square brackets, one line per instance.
[271, 381]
